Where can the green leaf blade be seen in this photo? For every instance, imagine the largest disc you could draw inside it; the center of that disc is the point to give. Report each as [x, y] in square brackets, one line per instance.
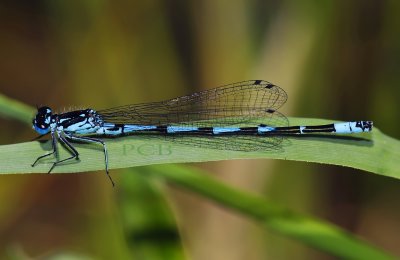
[14, 109]
[373, 152]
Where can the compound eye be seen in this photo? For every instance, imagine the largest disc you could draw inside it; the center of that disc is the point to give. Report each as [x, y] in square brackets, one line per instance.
[41, 122]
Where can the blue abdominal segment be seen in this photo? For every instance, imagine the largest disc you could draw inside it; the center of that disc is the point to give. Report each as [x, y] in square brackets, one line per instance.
[120, 129]
[181, 129]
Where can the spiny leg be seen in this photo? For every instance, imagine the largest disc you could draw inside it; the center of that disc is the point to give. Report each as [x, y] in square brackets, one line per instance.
[54, 146]
[71, 149]
[94, 140]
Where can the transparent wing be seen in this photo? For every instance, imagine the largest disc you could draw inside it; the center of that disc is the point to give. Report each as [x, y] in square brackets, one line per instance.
[271, 118]
[244, 100]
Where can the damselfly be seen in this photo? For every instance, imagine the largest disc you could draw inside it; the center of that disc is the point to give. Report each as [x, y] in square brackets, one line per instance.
[241, 116]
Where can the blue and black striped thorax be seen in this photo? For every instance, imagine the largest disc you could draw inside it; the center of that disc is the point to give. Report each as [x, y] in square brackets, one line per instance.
[78, 121]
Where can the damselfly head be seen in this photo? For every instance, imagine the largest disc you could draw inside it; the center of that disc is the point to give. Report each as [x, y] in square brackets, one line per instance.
[41, 122]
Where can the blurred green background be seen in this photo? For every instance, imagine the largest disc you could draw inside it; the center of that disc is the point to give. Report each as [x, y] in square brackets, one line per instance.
[335, 59]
